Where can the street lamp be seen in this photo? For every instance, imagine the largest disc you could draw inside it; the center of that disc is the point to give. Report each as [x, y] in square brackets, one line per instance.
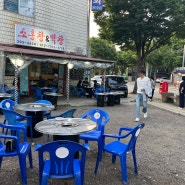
[17, 62]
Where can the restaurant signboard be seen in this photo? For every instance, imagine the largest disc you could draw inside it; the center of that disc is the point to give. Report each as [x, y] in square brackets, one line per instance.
[38, 37]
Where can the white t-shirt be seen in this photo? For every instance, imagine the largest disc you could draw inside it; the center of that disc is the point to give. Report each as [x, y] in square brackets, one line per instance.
[143, 83]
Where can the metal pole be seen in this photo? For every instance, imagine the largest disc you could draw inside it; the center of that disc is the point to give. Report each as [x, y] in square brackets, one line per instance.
[16, 85]
[88, 28]
[68, 76]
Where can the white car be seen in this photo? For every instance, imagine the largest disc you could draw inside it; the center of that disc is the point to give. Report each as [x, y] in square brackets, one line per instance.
[163, 79]
[98, 78]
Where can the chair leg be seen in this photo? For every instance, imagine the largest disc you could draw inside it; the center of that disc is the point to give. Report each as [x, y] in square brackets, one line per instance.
[77, 179]
[113, 158]
[4, 122]
[99, 157]
[1, 158]
[30, 159]
[22, 164]
[44, 180]
[123, 163]
[135, 161]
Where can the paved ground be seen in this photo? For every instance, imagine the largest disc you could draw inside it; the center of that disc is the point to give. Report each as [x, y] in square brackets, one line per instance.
[160, 147]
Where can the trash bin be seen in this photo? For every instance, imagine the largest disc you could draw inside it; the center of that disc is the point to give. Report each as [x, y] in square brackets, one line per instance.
[163, 87]
[100, 100]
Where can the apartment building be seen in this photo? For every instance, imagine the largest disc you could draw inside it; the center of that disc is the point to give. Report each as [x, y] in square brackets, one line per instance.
[46, 35]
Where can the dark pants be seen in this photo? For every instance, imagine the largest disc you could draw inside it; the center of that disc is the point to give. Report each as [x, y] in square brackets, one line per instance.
[181, 100]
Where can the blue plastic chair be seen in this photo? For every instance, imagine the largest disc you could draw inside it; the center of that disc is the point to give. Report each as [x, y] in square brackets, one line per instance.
[67, 114]
[9, 104]
[121, 149]
[61, 162]
[21, 149]
[46, 113]
[38, 94]
[101, 117]
[11, 116]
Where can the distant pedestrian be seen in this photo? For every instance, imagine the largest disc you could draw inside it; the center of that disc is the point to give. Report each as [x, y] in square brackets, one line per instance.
[181, 93]
[143, 91]
[152, 86]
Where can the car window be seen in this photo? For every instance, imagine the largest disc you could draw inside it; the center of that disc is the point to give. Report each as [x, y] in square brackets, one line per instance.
[115, 80]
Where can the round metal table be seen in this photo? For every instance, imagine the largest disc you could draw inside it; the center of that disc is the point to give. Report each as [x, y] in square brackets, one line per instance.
[5, 95]
[52, 97]
[35, 110]
[65, 128]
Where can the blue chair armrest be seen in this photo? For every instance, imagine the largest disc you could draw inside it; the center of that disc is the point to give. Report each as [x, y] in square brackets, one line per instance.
[37, 147]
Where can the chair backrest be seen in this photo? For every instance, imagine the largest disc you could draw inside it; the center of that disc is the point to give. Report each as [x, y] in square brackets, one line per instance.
[134, 133]
[38, 91]
[73, 90]
[10, 116]
[13, 128]
[61, 155]
[100, 116]
[7, 104]
[44, 101]
[68, 113]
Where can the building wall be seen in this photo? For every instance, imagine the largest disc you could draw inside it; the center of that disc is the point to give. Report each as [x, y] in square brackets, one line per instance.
[66, 16]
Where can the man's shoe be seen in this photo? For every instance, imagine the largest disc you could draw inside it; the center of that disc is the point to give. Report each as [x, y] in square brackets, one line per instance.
[145, 115]
[180, 108]
[137, 119]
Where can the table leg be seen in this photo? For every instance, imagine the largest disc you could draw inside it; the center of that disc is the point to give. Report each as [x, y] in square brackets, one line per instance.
[36, 117]
[100, 101]
[111, 100]
[117, 99]
[53, 100]
[1, 99]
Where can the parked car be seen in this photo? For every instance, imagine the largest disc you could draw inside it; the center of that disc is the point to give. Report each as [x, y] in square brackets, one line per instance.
[116, 83]
[163, 79]
[113, 82]
[98, 78]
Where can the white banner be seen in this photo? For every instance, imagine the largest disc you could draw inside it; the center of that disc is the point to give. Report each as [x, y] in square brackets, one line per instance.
[38, 37]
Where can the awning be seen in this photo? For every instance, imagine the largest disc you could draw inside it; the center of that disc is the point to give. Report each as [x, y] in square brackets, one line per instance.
[35, 55]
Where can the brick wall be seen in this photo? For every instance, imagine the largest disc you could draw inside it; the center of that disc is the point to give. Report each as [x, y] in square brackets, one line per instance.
[66, 16]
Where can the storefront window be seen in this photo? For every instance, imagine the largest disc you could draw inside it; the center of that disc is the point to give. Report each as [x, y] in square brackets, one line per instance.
[23, 7]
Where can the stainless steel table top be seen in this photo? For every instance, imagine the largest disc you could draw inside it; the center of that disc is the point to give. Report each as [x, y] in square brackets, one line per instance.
[6, 95]
[34, 107]
[110, 93]
[65, 126]
[53, 94]
[45, 88]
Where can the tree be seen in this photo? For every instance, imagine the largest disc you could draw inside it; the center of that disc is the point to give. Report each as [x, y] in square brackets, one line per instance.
[167, 57]
[142, 25]
[102, 49]
[125, 59]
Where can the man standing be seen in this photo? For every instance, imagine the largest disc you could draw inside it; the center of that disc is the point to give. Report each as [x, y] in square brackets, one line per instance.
[143, 91]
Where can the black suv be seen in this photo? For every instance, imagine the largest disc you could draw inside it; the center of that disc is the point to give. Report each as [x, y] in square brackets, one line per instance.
[116, 83]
